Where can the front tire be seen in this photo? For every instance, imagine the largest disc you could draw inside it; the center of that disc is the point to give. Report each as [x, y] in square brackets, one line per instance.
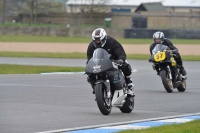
[166, 81]
[99, 93]
[128, 105]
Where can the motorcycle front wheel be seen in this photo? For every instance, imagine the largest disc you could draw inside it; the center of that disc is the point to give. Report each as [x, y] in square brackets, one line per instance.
[166, 81]
[103, 103]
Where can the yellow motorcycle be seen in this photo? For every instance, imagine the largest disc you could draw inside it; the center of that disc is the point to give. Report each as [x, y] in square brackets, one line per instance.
[167, 68]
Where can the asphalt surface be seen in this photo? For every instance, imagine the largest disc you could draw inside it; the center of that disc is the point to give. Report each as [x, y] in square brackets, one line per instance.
[35, 103]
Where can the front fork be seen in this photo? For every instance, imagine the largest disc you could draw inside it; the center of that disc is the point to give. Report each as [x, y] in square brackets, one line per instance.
[107, 86]
[169, 71]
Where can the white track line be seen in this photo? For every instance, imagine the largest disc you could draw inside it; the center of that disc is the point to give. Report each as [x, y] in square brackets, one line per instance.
[63, 73]
[70, 72]
[118, 123]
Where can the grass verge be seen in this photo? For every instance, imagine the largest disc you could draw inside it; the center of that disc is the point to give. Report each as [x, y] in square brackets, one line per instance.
[83, 55]
[43, 55]
[53, 39]
[189, 127]
[29, 69]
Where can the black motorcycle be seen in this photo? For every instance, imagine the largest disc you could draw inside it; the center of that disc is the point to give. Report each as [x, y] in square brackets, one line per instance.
[109, 83]
[167, 68]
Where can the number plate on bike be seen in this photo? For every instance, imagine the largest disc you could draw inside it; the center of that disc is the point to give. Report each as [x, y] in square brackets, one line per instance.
[160, 56]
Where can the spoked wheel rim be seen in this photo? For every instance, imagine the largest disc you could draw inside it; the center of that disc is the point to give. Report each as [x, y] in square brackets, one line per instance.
[107, 101]
[130, 101]
[183, 84]
[169, 81]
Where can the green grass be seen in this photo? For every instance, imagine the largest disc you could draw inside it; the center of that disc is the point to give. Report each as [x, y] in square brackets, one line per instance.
[149, 41]
[189, 127]
[138, 56]
[83, 55]
[191, 57]
[29, 69]
[52, 39]
[9, 24]
[43, 55]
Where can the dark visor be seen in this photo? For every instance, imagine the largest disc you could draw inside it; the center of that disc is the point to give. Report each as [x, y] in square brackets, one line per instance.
[97, 39]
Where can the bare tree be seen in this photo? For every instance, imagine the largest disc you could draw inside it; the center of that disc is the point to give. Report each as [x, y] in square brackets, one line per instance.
[3, 10]
[41, 6]
[97, 6]
[92, 8]
[32, 4]
[1, 6]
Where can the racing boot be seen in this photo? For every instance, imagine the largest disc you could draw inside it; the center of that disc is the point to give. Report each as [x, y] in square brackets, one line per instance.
[130, 85]
[182, 70]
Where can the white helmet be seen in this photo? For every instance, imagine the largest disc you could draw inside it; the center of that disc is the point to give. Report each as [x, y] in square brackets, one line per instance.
[158, 37]
[99, 37]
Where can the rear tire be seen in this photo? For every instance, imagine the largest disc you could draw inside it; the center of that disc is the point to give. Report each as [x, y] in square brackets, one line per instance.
[103, 107]
[166, 81]
[182, 86]
[128, 105]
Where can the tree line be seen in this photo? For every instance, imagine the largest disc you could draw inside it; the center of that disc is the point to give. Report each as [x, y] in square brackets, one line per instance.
[30, 7]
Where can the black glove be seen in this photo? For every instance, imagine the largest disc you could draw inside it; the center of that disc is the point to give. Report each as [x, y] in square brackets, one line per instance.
[149, 59]
[120, 61]
[175, 51]
[91, 79]
[88, 79]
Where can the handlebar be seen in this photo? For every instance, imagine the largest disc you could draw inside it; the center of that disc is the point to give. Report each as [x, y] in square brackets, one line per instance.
[171, 52]
[114, 61]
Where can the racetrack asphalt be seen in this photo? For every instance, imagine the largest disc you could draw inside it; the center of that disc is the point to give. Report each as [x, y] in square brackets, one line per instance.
[35, 102]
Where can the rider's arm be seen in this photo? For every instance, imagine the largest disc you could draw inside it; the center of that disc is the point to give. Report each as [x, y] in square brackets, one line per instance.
[119, 50]
[171, 46]
[151, 48]
[90, 51]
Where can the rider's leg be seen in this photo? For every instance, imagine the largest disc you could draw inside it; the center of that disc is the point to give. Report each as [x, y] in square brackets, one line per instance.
[129, 83]
[127, 71]
[180, 63]
[155, 67]
[91, 80]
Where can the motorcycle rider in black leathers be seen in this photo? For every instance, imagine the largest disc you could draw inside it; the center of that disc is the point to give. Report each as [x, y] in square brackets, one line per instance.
[159, 38]
[101, 40]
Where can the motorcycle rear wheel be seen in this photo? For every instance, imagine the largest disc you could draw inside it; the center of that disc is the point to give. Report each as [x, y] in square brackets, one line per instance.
[99, 93]
[182, 86]
[128, 105]
[166, 81]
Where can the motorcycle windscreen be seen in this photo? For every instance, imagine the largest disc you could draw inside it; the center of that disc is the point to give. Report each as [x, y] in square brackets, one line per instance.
[99, 62]
[159, 48]
[98, 55]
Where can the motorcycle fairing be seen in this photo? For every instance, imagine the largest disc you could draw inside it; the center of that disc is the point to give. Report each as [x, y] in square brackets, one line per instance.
[99, 62]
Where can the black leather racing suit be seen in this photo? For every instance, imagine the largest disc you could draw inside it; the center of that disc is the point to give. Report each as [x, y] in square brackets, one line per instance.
[117, 52]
